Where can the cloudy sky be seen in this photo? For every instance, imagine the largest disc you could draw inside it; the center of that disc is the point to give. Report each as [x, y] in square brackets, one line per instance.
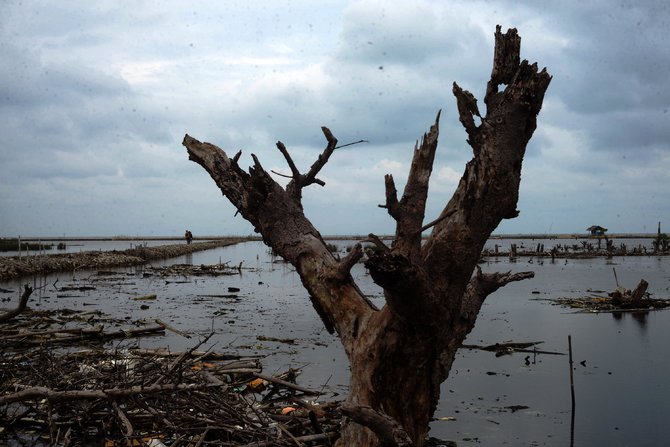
[96, 96]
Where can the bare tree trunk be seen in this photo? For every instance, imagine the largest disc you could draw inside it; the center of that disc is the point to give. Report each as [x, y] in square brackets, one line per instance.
[400, 354]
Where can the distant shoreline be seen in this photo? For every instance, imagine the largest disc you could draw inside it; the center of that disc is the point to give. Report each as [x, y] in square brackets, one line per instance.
[14, 266]
[326, 237]
[130, 238]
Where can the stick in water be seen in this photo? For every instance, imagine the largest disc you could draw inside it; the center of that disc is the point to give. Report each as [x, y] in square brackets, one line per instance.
[572, 392]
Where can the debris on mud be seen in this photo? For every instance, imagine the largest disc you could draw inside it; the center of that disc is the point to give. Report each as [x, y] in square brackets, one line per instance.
[619, 300]
[15, 266]
[61, 383]
[507, 348]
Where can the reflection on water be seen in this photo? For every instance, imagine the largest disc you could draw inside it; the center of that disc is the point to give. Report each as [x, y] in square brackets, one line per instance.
[640, 317]
[621, 362]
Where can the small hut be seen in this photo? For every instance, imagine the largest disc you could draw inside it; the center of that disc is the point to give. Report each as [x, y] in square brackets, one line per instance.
[596, 230]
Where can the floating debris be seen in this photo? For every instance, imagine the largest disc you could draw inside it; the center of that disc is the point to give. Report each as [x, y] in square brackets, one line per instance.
[506, 348]
[620, 300]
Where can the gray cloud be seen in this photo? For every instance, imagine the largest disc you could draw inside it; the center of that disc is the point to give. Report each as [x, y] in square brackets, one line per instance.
[95, 98]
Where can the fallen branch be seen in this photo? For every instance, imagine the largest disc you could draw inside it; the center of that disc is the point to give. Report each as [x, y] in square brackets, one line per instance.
[96, 333]
[203, 355]
[127, 425]
[170, 328]
[40, 392]
[281, 382]
[509, 348]
[389, 431]
[20, 308]
[307, 438]
[76, 395]
[181, 359]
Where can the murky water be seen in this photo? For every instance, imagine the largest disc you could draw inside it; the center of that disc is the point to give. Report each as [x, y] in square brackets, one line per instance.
[622, 388]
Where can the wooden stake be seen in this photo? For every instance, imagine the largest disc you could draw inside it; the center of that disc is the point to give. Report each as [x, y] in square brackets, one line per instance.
[572, 393]
[572, 383]
[616, 280]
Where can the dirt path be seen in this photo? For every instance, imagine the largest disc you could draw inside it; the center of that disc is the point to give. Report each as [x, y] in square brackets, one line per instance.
[14, 267]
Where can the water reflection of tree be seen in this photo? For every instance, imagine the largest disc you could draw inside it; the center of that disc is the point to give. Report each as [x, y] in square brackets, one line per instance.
[640, 317]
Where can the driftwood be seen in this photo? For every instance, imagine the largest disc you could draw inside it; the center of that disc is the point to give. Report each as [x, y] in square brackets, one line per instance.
[95, 333]
[23, 303]
[208, 355]
[501, 349]
[102, 396]
[286, 384]
[619, 301]
[388, 430]
[170, 328]
[62, 395]
[623, 297]
[49, 394]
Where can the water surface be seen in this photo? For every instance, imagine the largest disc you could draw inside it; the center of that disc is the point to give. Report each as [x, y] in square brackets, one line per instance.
[622, 392]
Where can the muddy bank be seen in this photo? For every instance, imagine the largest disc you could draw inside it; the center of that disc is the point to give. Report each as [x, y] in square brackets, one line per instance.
[14, 267]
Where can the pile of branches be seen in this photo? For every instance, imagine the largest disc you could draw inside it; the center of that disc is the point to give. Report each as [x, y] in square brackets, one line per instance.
[15, 266]
[85, 392]
[620, 300]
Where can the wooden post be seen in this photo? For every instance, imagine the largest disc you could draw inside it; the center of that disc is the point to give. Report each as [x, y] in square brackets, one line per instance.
[572, 394]
[572, 383]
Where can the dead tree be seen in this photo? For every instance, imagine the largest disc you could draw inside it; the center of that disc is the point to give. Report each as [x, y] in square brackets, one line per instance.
[401, 353]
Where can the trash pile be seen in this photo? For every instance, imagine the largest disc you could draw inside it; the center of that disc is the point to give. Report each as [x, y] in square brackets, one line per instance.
[65, 382]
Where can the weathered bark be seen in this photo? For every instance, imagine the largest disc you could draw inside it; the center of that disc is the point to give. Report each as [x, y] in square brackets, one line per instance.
[639, 291]
[400, 354]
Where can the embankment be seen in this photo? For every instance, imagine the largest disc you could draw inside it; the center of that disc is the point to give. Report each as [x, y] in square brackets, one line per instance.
[14, 267]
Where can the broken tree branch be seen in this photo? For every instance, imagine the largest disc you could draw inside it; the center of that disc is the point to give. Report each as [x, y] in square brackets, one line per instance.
[351, 144]
[489, 188]
[482, 285]
[506, 60]
[286, 384]
[39, 392]
[411, 209]
[345, 265]
[23, 303]
[321, 161]
[289, 160]
[127, 426]
[436, 221]
[378, 242]
[280, 174]
[389, 431]
[186, 355]
[467, 110]
[391, 197]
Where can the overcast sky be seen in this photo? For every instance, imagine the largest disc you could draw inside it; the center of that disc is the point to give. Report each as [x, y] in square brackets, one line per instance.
[96, 96]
